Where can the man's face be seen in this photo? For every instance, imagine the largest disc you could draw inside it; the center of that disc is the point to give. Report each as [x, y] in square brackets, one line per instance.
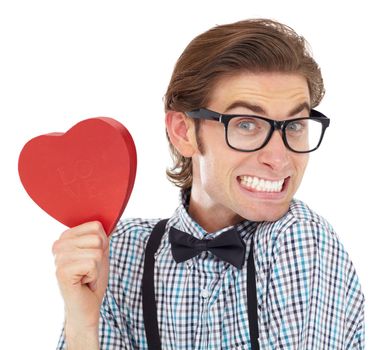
[227, 184]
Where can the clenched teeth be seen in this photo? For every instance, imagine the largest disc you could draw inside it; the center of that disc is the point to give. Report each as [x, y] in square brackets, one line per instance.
[261, 185]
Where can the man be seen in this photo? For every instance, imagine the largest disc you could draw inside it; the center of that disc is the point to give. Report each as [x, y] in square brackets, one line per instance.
[241, 264]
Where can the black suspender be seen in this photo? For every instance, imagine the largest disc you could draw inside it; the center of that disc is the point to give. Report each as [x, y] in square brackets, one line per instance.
[148, 287]
[148, 292]
[252, 307]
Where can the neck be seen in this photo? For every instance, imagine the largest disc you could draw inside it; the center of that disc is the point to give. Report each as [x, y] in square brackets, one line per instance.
[210, 216]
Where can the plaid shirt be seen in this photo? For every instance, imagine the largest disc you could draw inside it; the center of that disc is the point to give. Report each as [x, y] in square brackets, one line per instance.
[308, 293]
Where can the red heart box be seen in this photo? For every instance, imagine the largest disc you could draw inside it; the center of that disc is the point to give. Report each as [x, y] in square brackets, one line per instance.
[82, 175]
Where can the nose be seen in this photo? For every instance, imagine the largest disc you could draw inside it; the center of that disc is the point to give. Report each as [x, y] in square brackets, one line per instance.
[275, 154]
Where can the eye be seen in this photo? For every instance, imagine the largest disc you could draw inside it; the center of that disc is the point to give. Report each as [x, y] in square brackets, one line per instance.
[247, 125]
[296, 126]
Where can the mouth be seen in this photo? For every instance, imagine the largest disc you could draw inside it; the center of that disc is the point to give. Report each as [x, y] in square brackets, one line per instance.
[256, 184]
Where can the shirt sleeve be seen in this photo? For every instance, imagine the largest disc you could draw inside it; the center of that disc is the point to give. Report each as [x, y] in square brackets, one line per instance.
[314, 296]
[113, 333]
[355, 327]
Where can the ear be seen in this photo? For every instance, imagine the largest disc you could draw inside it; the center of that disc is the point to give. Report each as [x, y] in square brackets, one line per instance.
[181, 132]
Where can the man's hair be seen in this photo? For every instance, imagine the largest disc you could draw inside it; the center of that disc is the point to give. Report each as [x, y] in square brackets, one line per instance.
[255, 45]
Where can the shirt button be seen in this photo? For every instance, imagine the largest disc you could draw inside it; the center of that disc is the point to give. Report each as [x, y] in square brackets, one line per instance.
[205, 293]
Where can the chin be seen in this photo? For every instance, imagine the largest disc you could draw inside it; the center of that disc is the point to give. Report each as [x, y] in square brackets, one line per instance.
[270, 213]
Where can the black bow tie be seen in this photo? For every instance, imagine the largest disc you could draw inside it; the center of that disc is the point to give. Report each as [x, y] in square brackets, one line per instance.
[228, 246]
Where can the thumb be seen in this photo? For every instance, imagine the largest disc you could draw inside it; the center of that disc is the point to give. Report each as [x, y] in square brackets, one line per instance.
[90, 282]
[93, 286]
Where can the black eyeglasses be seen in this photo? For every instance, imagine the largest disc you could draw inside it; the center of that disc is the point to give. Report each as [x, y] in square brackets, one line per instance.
[249, 133]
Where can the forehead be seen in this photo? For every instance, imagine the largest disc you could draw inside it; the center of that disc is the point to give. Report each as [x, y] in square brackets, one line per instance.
[273, 92]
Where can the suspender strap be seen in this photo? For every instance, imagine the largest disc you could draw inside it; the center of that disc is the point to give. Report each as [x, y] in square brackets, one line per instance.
[148, 292]
[252, 300]
[148, 288]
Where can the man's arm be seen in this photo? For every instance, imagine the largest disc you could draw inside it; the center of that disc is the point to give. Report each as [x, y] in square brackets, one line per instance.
[108, 327]
[82, 266]
[81, 339]
[112, 331]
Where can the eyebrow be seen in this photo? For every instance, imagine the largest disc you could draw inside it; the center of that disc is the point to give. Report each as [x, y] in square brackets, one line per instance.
[260, 110]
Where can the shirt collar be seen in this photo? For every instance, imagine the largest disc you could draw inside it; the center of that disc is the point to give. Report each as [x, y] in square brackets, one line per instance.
[184, 222]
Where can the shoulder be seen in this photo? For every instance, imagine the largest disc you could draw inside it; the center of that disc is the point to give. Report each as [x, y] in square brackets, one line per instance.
[301, 212]
[130, 238]
[138, 227]
[308, 225]
[311, 230]
[298, 220]
[302, 234]
[301, 221]
[307, 241]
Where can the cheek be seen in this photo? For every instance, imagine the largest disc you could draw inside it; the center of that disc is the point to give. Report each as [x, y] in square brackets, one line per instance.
[300, 162]
[217, 161]
[210, 168]
[216, 166]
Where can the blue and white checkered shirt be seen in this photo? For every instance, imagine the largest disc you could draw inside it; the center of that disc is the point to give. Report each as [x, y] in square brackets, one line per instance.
[308, 293]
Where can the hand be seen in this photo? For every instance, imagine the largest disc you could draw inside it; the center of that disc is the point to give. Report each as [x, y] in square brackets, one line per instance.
[82, 268]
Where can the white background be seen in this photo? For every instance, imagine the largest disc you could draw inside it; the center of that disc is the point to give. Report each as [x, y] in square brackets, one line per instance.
[64, 61]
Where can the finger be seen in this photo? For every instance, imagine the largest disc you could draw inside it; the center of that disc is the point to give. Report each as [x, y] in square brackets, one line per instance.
[73, 274]
[93, 230]
[78, 255]
[90, 241]
[85, 228]
[93, 286]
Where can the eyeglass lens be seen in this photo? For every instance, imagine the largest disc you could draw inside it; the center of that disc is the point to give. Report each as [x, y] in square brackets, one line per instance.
[247, 134]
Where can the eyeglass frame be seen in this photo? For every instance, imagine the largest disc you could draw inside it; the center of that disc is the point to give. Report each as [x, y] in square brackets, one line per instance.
[204, 113]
